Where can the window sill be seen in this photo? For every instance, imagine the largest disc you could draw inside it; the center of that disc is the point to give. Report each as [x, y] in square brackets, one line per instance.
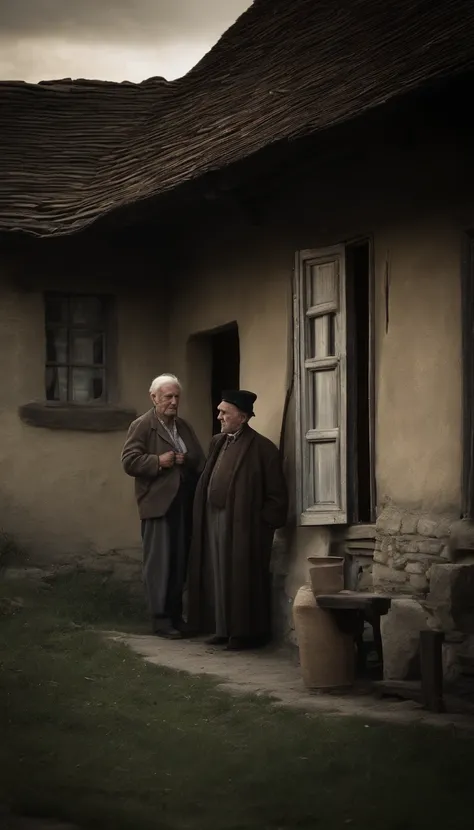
[78, 418]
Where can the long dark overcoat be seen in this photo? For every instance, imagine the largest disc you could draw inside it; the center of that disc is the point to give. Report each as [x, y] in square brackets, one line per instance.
[256, 506]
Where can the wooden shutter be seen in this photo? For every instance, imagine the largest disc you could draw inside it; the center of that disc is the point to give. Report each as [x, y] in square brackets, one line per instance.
[320, 344]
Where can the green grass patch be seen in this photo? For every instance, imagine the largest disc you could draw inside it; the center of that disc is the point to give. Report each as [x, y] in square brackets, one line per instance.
[93, 734]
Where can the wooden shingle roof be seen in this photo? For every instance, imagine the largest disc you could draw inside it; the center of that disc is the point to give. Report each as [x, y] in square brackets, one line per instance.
[70, 152]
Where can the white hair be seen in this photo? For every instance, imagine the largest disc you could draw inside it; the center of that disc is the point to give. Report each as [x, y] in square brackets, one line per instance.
[161, 380]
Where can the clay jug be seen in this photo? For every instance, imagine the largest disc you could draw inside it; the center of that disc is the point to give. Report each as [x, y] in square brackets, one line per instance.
[326, 574]
[327, 655]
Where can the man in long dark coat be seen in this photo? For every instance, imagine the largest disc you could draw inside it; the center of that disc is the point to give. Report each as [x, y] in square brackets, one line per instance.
[240, 501]
[165, 458]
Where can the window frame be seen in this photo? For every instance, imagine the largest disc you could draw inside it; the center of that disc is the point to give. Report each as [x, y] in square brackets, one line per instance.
[109, 364]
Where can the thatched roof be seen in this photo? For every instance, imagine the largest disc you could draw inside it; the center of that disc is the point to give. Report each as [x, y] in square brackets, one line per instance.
[71, 152]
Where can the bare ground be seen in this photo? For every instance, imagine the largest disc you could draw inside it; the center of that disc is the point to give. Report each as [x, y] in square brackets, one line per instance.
[273, 673]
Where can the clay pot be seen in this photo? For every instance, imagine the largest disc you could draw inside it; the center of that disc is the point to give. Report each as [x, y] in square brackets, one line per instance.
[326, 574]
[327, 656]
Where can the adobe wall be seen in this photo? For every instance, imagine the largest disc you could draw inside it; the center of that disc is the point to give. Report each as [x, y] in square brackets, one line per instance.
[242, 272]
[63, 494]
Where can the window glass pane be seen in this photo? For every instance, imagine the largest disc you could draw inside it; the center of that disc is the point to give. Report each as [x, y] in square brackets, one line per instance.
[87, 385]
[87, 347]
[56, 345]
[325, 400]
[56, 309]
[56, 384]
[87, 311]
[322, 336]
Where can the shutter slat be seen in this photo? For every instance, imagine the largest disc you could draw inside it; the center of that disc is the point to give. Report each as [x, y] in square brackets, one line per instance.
[324, 308]
[315, 364]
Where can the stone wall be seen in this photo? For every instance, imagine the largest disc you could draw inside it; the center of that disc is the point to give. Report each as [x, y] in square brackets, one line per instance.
[407, 545]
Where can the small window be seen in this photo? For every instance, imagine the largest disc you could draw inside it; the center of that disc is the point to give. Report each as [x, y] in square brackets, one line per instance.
[76, 348]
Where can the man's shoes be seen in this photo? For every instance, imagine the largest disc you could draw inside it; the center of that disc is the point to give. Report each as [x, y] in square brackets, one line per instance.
[217, 641]
[186, 630]
[165, 629]
[168, 633]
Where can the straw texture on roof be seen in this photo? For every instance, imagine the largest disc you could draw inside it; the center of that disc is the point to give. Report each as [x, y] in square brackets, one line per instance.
[71, 152]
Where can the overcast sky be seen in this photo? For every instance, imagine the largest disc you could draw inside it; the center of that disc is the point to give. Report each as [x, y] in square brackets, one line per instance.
[112, 40]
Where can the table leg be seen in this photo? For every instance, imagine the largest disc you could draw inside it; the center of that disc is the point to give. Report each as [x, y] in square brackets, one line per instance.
[375, 622]
[359, 639]
[431, 659]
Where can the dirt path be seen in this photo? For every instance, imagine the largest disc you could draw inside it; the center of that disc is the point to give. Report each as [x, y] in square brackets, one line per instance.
[273, 673]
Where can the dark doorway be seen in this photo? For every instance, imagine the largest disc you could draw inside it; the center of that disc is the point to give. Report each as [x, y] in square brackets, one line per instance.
[358, 263]
[225, 366]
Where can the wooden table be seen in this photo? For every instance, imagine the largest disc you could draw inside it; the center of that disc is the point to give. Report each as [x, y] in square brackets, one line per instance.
[351, 609]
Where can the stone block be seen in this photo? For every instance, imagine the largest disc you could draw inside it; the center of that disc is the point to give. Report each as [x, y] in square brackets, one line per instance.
[427, 527]
[389, 522]
[409, 524]
[418, 583]
[416, 567]
[400, 630]
[426, 558]
[398, 562]
[451, 597]
[404, 544]
[461, 537]
[388, 544]
[431, 547]
[381, 556]
[386, 576]
[443, 530]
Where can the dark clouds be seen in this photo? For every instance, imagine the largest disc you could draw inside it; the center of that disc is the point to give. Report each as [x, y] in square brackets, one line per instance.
[112, 40]
[138, 21]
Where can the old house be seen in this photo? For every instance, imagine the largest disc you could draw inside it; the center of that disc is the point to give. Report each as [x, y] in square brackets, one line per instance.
[295, 215]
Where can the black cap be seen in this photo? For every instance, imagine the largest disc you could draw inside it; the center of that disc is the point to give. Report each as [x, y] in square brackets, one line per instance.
[242, 399]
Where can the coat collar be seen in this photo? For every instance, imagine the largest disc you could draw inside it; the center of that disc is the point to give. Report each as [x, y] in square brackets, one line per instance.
[243, 444]
[157, 425]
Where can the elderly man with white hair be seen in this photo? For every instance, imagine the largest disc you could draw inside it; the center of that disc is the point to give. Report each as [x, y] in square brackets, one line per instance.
[163, 455]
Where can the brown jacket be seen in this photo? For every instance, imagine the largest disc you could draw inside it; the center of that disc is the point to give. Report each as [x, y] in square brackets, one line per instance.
[256, 505]
[146, 440]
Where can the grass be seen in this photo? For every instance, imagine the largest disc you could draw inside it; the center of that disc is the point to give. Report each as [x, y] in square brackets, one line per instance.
[94, 735]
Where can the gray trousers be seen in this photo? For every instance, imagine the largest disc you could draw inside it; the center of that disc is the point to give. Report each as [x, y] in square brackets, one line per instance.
[216, 543]
[165, 555]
